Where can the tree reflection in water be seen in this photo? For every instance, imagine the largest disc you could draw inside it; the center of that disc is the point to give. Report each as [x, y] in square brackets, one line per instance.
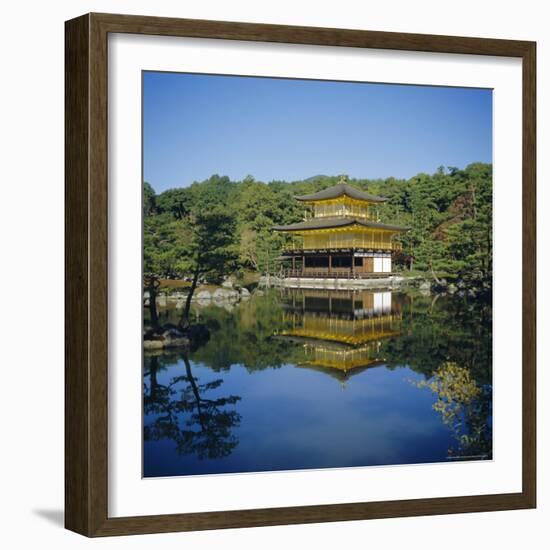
[185, 414]
[465, 407]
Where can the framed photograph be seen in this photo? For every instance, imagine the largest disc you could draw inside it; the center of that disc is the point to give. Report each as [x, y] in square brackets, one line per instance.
[300, 275]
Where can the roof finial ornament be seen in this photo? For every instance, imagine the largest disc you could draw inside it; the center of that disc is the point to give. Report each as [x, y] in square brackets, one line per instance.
[343, 179]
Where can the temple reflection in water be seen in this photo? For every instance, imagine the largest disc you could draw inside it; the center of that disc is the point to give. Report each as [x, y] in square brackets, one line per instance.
[341, 330]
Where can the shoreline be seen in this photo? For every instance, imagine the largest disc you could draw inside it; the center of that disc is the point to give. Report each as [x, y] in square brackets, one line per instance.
[390, 282]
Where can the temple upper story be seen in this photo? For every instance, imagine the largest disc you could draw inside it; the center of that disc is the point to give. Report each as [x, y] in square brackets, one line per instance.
[342, 216]
[342, 200]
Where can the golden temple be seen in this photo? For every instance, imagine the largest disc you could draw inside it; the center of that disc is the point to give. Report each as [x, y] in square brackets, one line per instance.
[341, 236]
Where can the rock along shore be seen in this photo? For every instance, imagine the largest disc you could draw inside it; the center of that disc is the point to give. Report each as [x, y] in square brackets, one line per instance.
[171, 336]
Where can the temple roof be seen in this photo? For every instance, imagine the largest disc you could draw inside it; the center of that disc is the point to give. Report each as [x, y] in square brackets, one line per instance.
[329, 223]
[337, 191]
[340, 374]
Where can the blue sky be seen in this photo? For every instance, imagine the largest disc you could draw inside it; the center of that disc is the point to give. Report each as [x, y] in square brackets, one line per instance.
[281, 129]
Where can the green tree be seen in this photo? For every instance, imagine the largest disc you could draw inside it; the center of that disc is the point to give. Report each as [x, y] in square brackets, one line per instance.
[259, 208]
[177, 202]
[206, 248]
[149, 200]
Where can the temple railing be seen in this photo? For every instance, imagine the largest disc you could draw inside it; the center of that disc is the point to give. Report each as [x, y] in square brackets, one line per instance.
[363, 245]
[299, 247]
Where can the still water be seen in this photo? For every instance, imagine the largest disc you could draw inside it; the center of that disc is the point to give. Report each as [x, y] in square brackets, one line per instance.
[297, 379]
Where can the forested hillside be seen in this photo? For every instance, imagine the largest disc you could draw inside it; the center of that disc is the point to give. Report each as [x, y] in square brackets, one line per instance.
[217, 227]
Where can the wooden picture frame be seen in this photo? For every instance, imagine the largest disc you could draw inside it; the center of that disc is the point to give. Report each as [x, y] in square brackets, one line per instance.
[86, 283]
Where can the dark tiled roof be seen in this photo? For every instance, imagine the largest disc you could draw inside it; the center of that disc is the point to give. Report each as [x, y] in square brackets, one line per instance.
[329, 223]
[339, 374]
[337, 191]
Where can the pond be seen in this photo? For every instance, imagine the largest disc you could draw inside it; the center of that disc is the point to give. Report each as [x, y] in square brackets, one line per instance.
[300, 379]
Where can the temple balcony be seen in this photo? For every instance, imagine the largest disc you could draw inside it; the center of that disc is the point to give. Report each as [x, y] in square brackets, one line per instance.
[359, 244]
